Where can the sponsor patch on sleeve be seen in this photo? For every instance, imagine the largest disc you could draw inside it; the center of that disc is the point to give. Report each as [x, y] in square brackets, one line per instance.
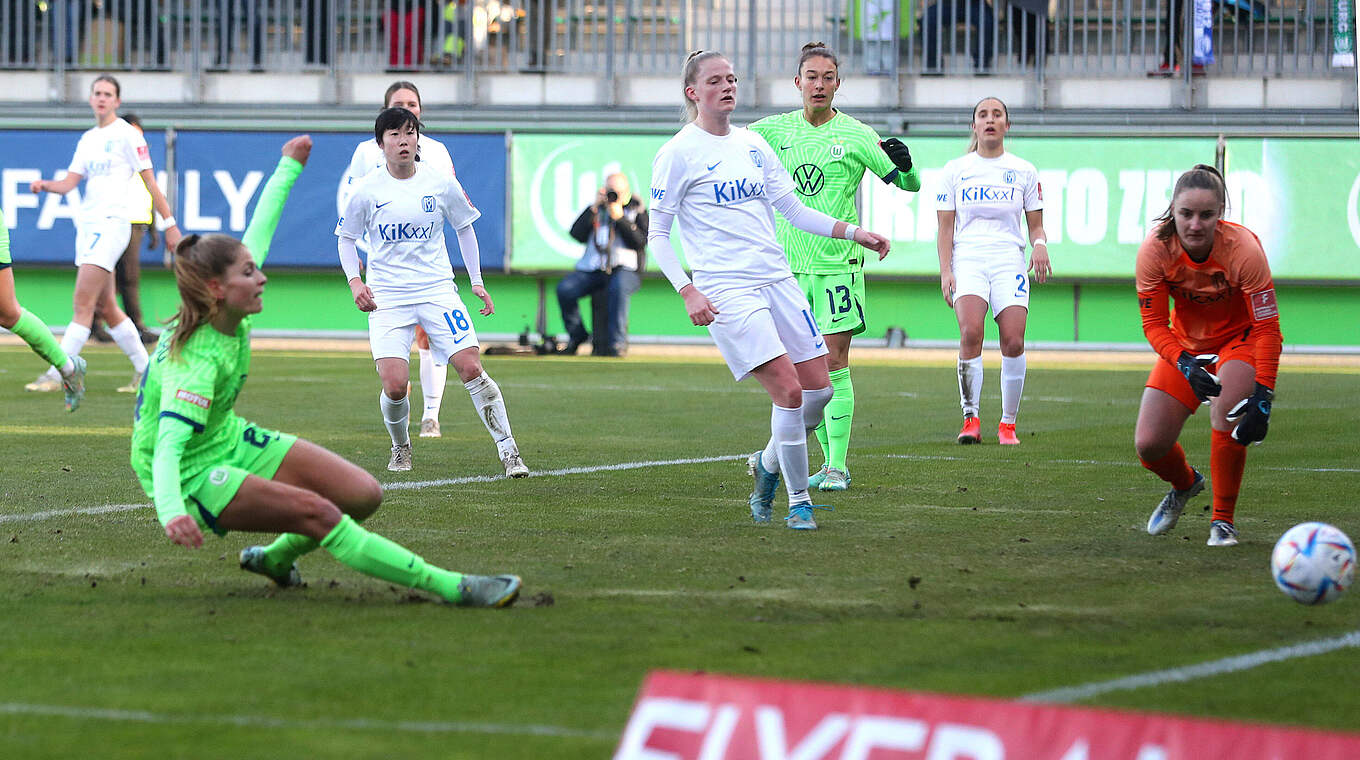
[193, 398]
[1040, 185]
[143, 153]
[1263, 305]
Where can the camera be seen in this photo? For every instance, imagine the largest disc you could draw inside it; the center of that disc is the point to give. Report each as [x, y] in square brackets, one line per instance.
[612, 196]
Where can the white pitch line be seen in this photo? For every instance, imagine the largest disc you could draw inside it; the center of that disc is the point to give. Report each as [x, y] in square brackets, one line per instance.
[358, 724]
[1191, 672]
[1095, 462]
[106, 508]
[407, 485]
[398, 486]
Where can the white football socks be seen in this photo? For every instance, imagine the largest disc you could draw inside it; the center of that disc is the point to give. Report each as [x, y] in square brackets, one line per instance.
[490, 406]
[970, 385]
[814, 404]
[787, 451]
[397, 417]
[126, 336]
[432, 379]
[1012, 385]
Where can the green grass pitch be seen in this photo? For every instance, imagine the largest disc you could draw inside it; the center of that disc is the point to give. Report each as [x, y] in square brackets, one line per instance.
[975, 570]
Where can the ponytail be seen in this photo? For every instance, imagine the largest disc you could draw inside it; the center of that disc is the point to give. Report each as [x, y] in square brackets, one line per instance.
[199, 258]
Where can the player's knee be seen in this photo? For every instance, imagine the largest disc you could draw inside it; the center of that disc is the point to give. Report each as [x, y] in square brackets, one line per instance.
[970, 337]
[9, 315]
[317, 516]
[367, 497]
[468, 369]
[788, 396]
[1150, 448]
[394, 390]
[1012, 346]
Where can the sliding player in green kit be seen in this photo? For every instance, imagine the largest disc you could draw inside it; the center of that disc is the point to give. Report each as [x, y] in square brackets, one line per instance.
[207, 468]
[827, 152]
[34, 332]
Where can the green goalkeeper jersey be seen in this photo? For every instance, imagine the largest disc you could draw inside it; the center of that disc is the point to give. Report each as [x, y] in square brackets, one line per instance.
[184, 421]
[827, 164]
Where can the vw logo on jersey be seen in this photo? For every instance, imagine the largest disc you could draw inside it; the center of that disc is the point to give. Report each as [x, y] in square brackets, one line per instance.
[1008, 177]
[837, 152]
[755, 159]
[427, 203]
[809, 179]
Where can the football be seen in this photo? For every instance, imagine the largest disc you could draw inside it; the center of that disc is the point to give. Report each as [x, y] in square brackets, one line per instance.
[1313, 563]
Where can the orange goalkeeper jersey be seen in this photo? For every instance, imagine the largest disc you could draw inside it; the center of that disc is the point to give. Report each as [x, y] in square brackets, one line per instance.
[1228, 296]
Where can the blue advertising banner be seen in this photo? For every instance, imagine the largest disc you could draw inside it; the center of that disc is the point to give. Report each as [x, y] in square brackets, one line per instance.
[219, 179]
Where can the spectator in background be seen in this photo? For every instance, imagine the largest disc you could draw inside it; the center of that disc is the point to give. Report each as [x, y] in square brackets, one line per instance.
[937, 26]
[614, 230]
[19, 19]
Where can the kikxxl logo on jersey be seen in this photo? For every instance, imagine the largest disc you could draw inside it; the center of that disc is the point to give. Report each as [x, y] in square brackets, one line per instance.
[405, 232]
[737, 191]
[987, 194]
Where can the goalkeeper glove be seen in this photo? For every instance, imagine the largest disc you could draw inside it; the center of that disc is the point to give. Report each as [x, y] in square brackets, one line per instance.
[1203, 382]
[1252, 415]
[897, 153]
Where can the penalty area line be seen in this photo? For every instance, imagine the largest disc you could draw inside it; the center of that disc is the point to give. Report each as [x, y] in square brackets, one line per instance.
[1192, 672]
[262, 721]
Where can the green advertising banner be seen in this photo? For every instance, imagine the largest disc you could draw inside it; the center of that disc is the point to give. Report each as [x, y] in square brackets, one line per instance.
[554, 178]
[1100, 197]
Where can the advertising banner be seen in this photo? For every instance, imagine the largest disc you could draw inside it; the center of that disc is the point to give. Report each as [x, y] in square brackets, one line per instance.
[556, 177]
[1100, 198]
[680, 716]
[220, 175]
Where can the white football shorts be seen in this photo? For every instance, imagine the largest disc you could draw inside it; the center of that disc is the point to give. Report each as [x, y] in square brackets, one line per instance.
[392, 330]
[102, 241]
[1001, 282]
[756, 325]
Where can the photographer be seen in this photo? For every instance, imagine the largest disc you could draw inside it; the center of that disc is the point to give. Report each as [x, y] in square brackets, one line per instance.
[614, 231]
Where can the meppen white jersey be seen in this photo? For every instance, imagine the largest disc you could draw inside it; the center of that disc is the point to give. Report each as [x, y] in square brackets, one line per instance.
[404, 220]
[989, 197]
[720, 189]
[107, 157]
[368, 156]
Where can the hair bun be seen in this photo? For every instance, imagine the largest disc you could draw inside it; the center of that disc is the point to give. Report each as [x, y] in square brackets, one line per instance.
[813, 46]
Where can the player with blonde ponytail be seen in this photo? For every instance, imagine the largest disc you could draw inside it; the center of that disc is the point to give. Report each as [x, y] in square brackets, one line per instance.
[208, 469]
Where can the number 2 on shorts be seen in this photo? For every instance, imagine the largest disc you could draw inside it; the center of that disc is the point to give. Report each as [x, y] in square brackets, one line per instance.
[1020, 285]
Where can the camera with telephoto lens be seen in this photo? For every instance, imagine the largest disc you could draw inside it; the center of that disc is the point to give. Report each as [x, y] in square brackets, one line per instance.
[612, 196]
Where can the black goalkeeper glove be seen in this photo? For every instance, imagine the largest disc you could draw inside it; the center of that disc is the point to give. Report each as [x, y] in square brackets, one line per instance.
[1252, 415]
[1203, 382]
[897, 153]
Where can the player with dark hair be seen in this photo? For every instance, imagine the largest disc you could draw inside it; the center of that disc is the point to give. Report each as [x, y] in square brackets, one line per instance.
[985, 197]
[828, 152]
[1220, 346]
[208, 469]
[106, 158]
[723, 184]
[368, 157]
[402, 209]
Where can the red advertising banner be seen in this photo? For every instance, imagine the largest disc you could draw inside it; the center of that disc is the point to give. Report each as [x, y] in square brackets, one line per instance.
[680, 716]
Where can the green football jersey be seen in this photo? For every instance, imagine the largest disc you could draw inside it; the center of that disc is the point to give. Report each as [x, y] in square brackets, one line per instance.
[198, 388]
[827, 164]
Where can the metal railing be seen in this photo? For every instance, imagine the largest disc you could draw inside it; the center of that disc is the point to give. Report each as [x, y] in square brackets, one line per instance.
[620, 37]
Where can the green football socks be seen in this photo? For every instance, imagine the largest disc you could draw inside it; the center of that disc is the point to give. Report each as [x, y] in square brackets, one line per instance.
[840, 412]
[286, 549]
[371, 554]
[39, 338]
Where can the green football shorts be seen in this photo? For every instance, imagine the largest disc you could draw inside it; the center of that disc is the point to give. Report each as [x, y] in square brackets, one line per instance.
[837, 301]
[259, 452]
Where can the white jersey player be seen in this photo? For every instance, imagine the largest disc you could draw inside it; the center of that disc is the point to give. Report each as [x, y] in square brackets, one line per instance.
[368, 156]
[107, 157]
[723, 184]
[980, 202]
[402, 209]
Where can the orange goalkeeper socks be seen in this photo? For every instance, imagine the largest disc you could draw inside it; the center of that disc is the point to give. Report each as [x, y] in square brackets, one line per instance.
[1227, 459]
[1173, 468]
